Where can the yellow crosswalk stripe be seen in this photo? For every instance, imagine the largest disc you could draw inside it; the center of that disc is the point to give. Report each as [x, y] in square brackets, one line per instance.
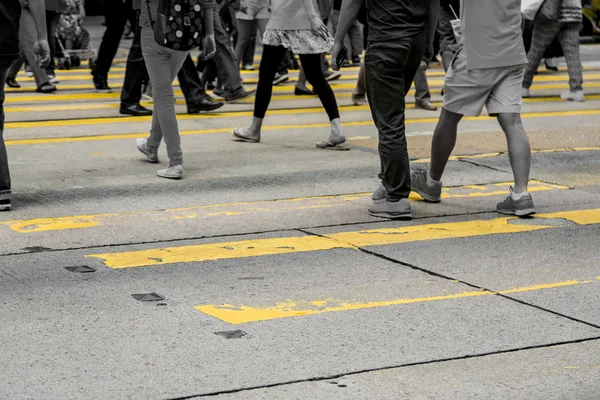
[343, 240]
[54, 97]
[21, 142]
[293, 78]
[116, 105]
[241, 314]
[434, 83]
[311, 110]
[244, 208]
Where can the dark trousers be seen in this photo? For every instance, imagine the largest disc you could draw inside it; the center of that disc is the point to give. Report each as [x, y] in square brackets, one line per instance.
[52, 18]
[311, 63]
[135, 72]
[190, 82]
[117, 13]
[390, 71]
[4, 171]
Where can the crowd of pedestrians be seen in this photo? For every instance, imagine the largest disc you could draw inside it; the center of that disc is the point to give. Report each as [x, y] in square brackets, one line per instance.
[481, 43]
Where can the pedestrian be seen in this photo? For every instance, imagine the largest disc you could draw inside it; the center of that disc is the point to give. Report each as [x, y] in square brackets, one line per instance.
[27, 39]
[225, 61]
[486, 71]
[354, 39]
[448, 44]
[163, 64]
[10, 16]
[136, 72]
[252, 15]
[422, 92]
[400, 38]
[53, 15]
[566, 29]
[553, 51]
[136, 75]
[117, 13]
[295, 25]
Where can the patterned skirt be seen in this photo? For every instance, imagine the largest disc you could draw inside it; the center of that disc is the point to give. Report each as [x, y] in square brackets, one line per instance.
[303, 41]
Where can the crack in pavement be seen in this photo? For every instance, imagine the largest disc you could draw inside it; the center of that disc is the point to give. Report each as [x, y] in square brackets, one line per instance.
[271, 231]
[390, 367]
[449, 278]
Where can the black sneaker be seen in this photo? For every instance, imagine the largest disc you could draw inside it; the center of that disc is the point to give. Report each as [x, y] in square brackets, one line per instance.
[135, 109]
[5, 205]
[101, 85]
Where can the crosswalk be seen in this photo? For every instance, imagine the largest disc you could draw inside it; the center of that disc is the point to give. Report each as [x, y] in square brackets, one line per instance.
[85, 124]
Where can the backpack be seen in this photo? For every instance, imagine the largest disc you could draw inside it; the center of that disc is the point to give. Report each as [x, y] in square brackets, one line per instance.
[179, 23]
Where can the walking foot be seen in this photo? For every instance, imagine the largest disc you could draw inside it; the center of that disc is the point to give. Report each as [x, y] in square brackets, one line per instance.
[244, 135]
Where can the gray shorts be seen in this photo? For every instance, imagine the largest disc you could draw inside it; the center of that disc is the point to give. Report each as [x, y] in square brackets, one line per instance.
[498, 89]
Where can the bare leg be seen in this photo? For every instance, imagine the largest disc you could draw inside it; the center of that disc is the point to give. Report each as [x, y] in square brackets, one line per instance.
[518, 149]
[443, 142]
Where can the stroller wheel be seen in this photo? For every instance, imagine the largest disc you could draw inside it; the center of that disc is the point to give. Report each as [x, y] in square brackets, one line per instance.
[75, 61]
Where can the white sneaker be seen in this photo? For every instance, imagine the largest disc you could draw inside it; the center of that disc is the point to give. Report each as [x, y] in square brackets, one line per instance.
[525, 93]
[573, 96]
[53, 79]
[142, 146]
[175, 172]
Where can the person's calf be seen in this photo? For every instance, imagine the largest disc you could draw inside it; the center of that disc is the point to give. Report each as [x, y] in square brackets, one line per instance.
[519, 150]
[443, 142]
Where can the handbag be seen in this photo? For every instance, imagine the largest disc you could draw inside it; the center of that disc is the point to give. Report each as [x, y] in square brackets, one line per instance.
[530, 8]
[179, 23]
[548, 11]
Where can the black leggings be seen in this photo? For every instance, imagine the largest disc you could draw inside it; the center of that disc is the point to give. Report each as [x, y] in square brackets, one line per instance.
[271, 58]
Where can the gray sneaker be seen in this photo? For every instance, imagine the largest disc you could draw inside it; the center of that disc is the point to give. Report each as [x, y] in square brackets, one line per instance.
[430, 193]
[521, 208]
[175, 172]
[380, 194]
[142, 146]
[391, 209]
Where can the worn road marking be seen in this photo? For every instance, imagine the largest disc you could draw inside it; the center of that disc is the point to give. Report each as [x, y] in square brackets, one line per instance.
[116, 105]
[118, 220]
[240, 314]
[433, 83]
[16, 142]
[497, 154]
[345, 240]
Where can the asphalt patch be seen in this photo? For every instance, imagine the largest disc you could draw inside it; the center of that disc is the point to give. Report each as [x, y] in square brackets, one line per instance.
[238, 334]
[81, 269]
[148, 297]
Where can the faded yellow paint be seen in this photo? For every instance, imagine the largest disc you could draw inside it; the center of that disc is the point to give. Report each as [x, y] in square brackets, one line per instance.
[16, 142]
[244, 314]
[240, 314]
[415, 233]
[218, 251]
[242, 208]
[344, 240]
[54, 224]
[580, 217]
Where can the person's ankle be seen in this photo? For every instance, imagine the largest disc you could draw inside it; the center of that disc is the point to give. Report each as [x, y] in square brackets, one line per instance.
[431, 181]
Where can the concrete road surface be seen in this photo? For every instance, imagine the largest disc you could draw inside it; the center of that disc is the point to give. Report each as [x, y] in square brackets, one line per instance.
[261, 275]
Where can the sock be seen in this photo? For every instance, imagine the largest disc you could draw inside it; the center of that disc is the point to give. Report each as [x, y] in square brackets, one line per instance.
[431, 181]
[517, 196]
